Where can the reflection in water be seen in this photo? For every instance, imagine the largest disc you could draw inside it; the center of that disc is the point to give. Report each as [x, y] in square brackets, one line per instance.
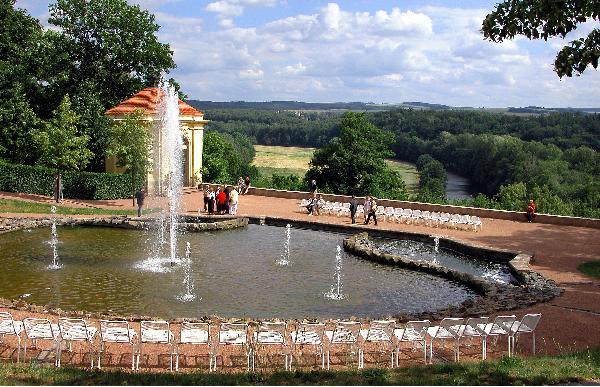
[234, 271]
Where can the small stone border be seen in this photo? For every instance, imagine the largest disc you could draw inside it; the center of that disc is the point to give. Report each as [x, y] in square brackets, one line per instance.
[532, 287]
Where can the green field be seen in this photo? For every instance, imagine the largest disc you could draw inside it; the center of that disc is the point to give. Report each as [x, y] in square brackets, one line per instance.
[283, 160]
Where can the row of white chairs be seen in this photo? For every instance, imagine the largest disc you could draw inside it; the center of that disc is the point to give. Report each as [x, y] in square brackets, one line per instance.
[387, 336]
[405, 215]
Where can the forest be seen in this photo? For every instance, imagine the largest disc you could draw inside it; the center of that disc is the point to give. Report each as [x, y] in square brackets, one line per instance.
[552, 158]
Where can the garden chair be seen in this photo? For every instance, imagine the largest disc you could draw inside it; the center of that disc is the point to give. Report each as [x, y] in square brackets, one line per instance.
[192, 333]
[406, 215]
[527, 325]
[345, 334]
[76, 329]
[416, 217]
[269, 335]
[475, 328]
[11, 327]
[381, 334]
[42, 329]
[434, 219]
[118, 331]
[501, 326]
[308, 334]
[398, 215]
[450, 328]
[233, 335]
[389, 214]
[413, 332]
[159, 333]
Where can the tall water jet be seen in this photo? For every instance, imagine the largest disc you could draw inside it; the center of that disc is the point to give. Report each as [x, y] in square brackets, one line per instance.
[54, 242]
[187, 280]
[284, 260]
[172, 158]
[436, 248]
[335, 293]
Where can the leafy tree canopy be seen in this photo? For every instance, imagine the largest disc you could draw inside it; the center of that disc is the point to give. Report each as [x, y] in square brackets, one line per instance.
[111, 44]
[542, 19]
[59, 145]
[354, 162]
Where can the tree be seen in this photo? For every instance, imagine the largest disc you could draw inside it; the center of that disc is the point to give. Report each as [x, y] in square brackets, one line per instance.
[112, 45]
[130, 142]
[354, 162]
[542, 19]
[221, 163]
[59, 145]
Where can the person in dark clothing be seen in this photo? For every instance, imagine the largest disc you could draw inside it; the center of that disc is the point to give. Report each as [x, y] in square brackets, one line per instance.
[247, 184]
[206, 195]
[353, 208]
[313, 188]
[211, 201]
[139, 197]
[226, 204]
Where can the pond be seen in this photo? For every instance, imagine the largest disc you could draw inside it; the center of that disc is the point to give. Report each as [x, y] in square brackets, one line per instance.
[235, 274]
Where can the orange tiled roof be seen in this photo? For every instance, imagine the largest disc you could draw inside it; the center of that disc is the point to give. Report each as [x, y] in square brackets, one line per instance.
[148, 100]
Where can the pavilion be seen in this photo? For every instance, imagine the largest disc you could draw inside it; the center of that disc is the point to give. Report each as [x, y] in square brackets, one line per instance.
[191, 122]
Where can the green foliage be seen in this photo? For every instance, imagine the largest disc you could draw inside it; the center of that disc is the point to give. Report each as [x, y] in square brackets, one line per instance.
[27, 207]
[112, 45]
[513, 197]
[591, 268]
[432, 179]
[130, 141]
[354, 162]
[58, 143]
[78, 185]
[543, 19]
[222, 162]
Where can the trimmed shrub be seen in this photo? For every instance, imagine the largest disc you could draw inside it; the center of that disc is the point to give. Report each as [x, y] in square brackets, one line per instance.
[76, 185]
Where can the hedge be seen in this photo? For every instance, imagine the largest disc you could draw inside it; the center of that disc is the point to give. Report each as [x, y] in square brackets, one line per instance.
[76, 185]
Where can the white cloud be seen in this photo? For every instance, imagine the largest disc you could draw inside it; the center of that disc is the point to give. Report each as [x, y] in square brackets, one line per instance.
[298, 68]
[232, 8]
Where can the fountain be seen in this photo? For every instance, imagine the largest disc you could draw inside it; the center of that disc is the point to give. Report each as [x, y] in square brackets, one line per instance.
[335, 293]
[187, 280]
[284, 260]
[436, 248]
[54, 242]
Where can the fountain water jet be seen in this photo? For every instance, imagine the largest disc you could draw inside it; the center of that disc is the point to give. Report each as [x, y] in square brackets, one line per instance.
[187, 280]
[335, 293]
[54, 242]
[284, 260]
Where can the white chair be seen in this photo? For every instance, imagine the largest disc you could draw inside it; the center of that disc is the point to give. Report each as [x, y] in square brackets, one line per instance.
[398, 215]
[450, 328]
[345, 334]
[308, 334]
[475, 222]
[527, 325]
[434, 219]
[118, 331]
[389, 214]
[194, 334]
[444, 219]
[233, 334]
[11, 327]
[269, 335]
[416, 216]
[475, 328]
[76, 329]
[406, 215]
[426, 218]
[381, 334]
[345, 209]
[156, 332]
[501, 326]
[413, 332]
[42, 329]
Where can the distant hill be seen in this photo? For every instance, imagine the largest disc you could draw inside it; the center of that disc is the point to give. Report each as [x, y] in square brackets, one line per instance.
[369, 106]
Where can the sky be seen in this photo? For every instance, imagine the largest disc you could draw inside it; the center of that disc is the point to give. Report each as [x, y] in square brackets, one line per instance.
[357, 50]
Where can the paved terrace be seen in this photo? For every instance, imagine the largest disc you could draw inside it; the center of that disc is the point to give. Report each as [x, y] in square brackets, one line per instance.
[569, 322]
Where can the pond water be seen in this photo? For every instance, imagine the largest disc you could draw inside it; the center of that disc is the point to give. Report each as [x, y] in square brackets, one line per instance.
[235, 274]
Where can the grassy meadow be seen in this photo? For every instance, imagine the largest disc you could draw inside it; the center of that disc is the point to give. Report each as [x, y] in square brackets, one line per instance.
[283, 160]
[19, 206]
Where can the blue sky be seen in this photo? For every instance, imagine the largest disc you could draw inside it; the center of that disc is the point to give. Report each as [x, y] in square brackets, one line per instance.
[357, 50]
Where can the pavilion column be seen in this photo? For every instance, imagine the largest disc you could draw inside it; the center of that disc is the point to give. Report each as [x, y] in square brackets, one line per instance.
[196, 152]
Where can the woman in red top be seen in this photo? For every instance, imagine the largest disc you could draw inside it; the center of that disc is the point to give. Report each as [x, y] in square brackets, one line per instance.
[531, 211]
[221, 198]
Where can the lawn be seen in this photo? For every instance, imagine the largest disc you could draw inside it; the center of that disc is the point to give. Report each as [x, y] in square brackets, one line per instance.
[544, 370]
[20, 206]
[284, 160]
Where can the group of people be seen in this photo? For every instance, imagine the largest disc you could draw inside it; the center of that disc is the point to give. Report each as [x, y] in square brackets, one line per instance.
[221, 200]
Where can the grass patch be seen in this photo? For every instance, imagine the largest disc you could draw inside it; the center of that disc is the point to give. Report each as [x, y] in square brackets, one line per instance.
[408, 172]
[20, 206]
[548, 370]
[591, 268]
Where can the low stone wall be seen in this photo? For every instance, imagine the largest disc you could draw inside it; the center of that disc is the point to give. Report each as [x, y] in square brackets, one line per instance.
[491, 296]
[472, 211]
[189, 224]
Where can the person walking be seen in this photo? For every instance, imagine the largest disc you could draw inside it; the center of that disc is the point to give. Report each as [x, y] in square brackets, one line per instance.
[531, 208]
[372, 211]
[353, 208]
[366, 207]
[233, 201]
[140, 195]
